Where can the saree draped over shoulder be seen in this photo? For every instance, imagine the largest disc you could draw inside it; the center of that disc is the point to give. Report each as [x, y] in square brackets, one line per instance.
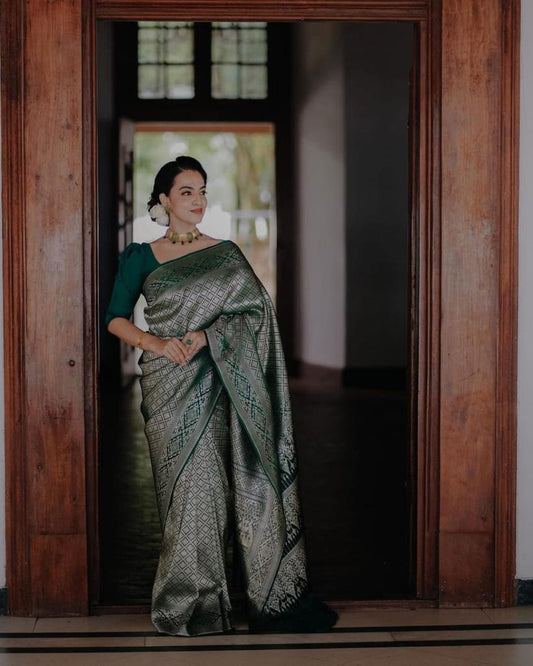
[220, 435]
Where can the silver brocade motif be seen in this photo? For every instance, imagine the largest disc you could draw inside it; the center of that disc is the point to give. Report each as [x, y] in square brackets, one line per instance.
[220, 435]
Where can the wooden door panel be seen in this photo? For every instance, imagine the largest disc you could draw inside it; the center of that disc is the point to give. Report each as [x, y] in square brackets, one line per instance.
[471, 116]
[59, 574]
[49, 321]
[466, 575]
[54, 272]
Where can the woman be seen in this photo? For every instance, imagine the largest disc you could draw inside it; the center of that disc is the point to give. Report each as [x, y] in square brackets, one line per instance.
[218, 422]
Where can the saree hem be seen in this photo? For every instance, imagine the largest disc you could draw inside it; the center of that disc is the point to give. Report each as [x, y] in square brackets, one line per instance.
[308, 615]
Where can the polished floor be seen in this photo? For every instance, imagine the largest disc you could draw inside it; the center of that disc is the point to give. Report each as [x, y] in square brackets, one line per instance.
[354, 479]
[421, 637]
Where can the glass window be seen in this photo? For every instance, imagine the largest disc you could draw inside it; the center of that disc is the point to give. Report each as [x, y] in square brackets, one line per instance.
[165, 53]
[150, 82]
[225, 81]
[224, 46]
[239, 60]
[253, 81]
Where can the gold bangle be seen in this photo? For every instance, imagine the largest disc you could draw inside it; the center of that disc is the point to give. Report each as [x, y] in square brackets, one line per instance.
[139, 340]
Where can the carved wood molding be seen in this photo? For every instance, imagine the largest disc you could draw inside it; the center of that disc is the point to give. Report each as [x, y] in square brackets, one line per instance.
[14, 290]
[90, 272]
[429, 305]
[272, 10]
[507, 363]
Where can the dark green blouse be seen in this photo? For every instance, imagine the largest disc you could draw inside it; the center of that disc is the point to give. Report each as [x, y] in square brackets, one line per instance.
[135, 264]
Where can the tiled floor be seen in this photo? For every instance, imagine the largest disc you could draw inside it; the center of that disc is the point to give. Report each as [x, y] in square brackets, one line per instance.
[499, 637]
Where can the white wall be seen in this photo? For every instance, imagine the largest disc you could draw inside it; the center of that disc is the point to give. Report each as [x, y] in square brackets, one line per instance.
[351, 122]
[524, 559]
[319, 97]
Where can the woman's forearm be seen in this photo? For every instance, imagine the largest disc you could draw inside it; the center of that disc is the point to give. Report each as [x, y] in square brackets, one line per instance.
[133, 335]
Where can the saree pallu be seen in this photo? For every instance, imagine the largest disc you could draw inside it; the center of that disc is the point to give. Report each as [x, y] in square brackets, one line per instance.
[219, 430]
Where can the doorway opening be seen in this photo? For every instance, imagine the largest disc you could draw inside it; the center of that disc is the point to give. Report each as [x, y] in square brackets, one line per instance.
[335, 230]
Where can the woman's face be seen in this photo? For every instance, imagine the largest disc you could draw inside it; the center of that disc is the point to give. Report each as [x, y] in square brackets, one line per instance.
[187, 198]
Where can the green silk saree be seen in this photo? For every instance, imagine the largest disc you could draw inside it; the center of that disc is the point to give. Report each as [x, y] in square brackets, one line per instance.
[220, 435]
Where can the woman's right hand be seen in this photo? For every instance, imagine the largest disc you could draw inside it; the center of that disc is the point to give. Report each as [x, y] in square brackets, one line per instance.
[174, 349]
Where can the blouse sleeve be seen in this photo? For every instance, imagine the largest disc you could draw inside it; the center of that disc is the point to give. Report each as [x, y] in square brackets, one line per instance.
[128, 283]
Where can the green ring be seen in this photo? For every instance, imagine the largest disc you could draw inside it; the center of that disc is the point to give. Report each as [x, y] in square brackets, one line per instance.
[188, 341]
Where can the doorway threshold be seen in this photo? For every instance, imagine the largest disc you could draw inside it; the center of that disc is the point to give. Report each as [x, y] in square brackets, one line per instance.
[338, 605]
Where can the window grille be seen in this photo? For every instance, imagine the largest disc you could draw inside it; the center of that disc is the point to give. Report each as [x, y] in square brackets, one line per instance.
[166, 64]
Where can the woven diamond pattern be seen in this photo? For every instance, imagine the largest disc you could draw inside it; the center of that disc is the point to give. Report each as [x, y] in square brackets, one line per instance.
[220, 435]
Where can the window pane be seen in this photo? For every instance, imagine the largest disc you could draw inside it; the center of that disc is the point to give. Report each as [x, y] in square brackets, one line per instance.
[253, 24]
[180, 82]
[253, 46]
[149, 35]
[180, 45]
[148, 52]
[254, 81]
[224, 46]
[225, 81]
[150, 82]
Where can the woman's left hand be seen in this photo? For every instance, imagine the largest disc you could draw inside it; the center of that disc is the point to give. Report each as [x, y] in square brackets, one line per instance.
[194, 341]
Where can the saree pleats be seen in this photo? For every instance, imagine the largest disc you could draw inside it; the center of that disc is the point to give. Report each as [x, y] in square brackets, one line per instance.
[190, 594]
[220, 435]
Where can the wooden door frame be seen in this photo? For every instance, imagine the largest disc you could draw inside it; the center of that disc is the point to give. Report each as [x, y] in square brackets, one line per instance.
[467, 235]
